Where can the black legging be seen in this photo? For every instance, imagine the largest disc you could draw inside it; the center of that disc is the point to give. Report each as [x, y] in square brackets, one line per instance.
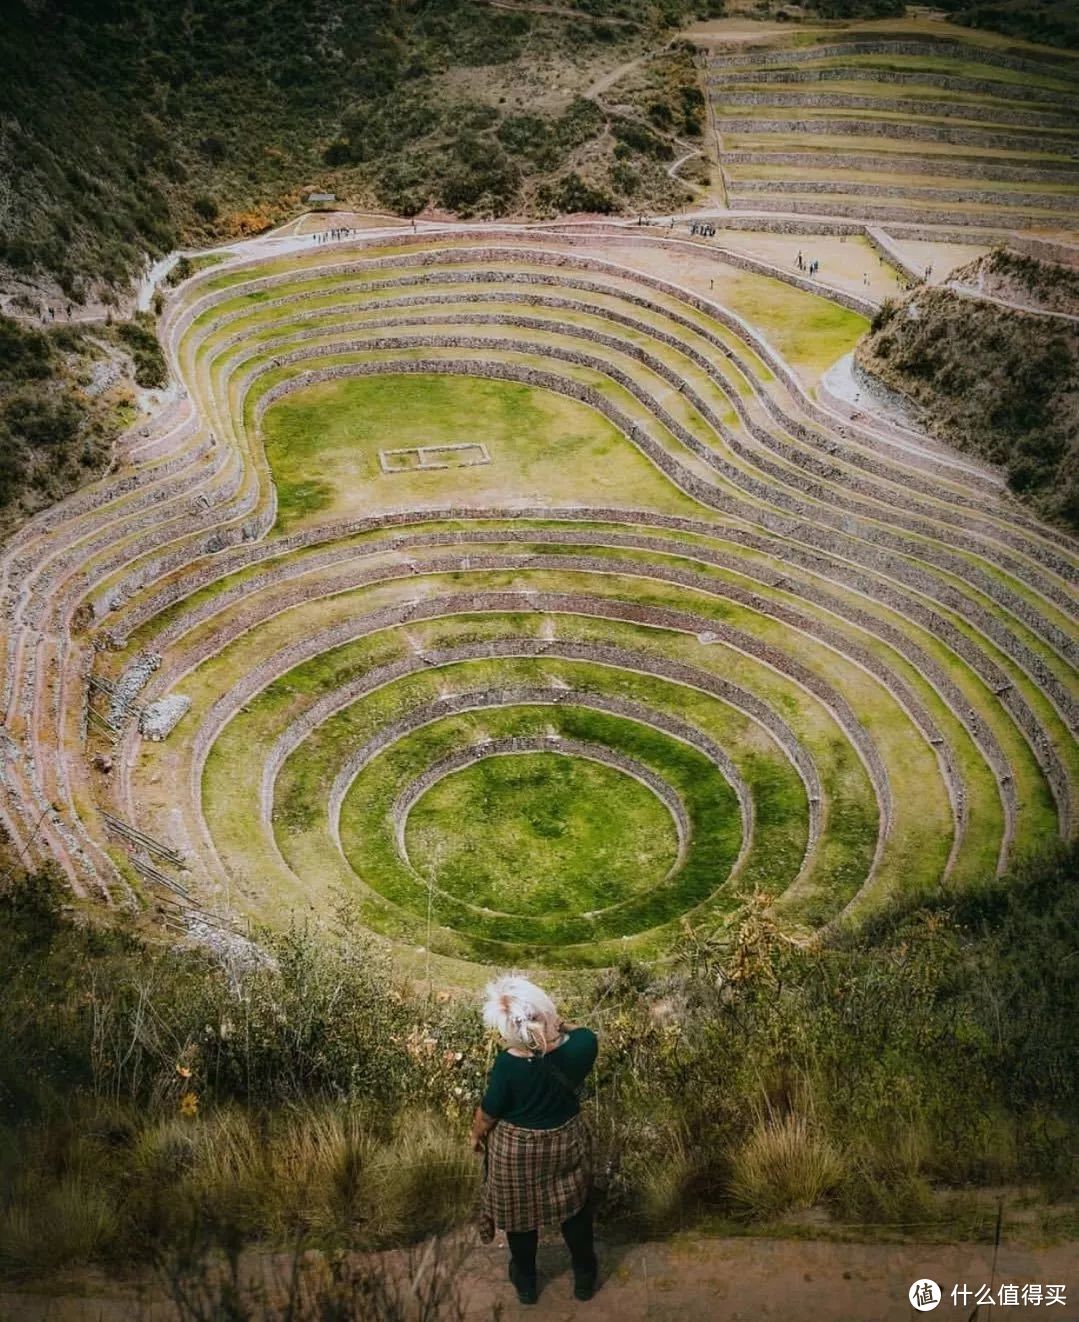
[576, 1231]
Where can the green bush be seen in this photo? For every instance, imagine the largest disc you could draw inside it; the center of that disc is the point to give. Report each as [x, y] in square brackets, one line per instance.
[641, 139]
[138, 336]
[25, 355]
[42, 421]
[571, 193]
[205, 208]
[478, 177]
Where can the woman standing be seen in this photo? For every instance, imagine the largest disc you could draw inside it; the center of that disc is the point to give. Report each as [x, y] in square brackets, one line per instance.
[538, 1167]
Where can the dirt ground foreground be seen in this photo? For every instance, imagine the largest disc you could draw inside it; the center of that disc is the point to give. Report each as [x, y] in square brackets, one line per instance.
[691, 1280]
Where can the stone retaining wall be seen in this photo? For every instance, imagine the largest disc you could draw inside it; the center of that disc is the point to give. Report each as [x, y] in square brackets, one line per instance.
[862, 552]
[901, 106]
[882, 244]
[952, 166]
[832, 499]
[706, 306]
[869, 211]
[824, 469]
[903, 130]
[946, 82]
[483, 699]
[796, 620]
[958, 51]
[517, 744]
[857, 188]
[1046, 250]
[840, 571]
[605, 654]
[937, 676]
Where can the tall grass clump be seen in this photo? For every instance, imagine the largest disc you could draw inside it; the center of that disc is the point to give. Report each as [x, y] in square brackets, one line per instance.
[784, 1165]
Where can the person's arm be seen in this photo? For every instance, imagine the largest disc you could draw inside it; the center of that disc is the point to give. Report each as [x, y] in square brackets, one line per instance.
[482, 1124]
[493, 1104]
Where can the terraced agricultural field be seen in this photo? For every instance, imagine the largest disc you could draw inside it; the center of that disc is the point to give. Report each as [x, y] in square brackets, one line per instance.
[526, 595]
[912, 122]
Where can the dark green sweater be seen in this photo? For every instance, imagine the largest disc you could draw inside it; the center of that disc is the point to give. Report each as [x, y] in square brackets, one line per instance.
[524, 1090]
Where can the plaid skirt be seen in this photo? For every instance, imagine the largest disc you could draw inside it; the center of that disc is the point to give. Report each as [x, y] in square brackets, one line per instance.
[536, 1177]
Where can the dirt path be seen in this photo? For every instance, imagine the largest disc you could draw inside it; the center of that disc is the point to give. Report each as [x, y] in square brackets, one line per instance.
[686, 1280]
[560, 10]
[969, 291]
[609, 79]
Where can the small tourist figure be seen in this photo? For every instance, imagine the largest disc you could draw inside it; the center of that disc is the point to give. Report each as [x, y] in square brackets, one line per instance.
[537, 1148]
[801, 262]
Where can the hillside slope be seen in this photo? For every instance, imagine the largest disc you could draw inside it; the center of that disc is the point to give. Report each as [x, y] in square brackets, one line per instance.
[66, 393]
[129, 126]
[993, 381]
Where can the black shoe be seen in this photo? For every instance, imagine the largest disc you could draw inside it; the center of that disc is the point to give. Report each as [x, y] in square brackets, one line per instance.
[584, 1282]
[524, 1285]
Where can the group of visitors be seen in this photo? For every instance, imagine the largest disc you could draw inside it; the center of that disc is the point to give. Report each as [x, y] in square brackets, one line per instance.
[332, 235]
[705, 231]
[810, 267]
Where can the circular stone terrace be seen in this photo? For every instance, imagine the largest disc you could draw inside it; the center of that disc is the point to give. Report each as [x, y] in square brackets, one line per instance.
[520, 586]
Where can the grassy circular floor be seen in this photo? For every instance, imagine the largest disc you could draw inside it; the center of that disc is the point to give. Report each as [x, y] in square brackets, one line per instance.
[541, 833]
[325, 445]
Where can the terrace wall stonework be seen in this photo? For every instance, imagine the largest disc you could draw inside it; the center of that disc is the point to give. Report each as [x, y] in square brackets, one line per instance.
[739, 477]
[466, 757]
[858, 188]
[814, 535]
[922, 78]
[996, 114]
[1012, 219]
[898, 129]
[949, 166]
[951, 50]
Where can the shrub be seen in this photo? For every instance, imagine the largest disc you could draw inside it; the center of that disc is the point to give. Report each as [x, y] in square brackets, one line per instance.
[338, 153]
[571, 193]
[43, 421]
[883, 314]
[150, 368]
[641, 139]
[479, 178]
[147, 1102]
[25, 355]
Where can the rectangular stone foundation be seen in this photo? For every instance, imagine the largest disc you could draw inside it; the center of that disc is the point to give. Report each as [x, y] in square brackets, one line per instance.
[419, 458]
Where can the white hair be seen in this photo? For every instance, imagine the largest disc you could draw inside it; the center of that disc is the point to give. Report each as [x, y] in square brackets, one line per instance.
[521, 1012]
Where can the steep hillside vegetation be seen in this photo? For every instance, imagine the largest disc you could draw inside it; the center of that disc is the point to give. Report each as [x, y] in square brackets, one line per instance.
[65, 394]
[147, 1102]
[128, 126]
[998, 383]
